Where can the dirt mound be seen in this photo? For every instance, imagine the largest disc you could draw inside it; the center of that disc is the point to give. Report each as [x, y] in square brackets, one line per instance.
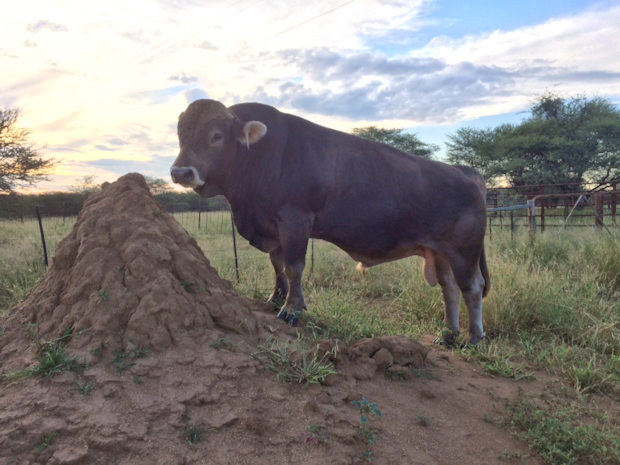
[163, 363]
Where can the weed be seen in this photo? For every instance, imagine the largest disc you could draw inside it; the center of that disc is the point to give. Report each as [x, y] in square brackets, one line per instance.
[103, 295]
[83, 387]
[318, 434]
[560, 438]
[293, 362]
[189, 286]
[497, 359]
[510, 455]
[365, 432]
[45, 442]
[125, 360]
[50, 357]
[223, 343]
[422, 420]
[192, 434]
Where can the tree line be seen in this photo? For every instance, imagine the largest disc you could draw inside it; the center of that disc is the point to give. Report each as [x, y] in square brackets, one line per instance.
[62, 204]
[569, 141]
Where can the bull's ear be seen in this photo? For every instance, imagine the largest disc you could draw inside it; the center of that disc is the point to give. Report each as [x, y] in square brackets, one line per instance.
[251, 132]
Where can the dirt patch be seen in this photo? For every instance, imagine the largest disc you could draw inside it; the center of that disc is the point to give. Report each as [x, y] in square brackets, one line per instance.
[165, 367]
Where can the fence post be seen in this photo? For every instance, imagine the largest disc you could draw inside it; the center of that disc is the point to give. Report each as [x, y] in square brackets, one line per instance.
[42, 235]
[542, 209]
[531, 207]
[234, 237]
[199, 211]
[613, 203]
[598, 209]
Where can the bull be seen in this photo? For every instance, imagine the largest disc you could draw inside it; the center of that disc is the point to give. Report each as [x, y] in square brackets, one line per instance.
[288, 180]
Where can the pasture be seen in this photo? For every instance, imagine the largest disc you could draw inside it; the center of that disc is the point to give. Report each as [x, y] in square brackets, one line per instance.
[552, 310]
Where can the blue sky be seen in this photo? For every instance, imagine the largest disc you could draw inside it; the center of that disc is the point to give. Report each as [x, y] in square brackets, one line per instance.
[100, 85]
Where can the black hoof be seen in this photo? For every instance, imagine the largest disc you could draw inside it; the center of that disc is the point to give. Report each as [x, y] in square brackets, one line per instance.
[290, 318]
[448, 340]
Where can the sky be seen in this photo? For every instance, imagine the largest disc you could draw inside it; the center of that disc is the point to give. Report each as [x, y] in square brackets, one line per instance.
[100, 84]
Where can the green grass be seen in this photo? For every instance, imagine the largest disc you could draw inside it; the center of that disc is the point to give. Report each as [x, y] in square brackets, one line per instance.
[50, 357]
[553, 304]
[294, 361]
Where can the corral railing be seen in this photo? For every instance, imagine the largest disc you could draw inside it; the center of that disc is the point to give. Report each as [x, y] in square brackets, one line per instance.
[539, 207]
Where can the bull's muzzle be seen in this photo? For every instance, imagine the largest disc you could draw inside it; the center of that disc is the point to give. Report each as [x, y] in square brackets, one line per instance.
[184, 175]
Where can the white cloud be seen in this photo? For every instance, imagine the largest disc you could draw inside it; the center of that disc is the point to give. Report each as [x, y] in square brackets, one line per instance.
[108, 74]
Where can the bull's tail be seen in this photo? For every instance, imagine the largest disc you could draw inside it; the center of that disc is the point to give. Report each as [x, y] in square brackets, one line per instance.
[485, 273]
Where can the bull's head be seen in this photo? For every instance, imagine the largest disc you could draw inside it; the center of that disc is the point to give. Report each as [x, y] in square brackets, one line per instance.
[208, 136]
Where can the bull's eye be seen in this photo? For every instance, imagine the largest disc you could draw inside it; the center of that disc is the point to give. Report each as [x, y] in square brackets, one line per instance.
[216, 137]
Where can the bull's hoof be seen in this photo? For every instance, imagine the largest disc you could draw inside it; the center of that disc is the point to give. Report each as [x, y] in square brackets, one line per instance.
[472, 343]
[292, 319]
[446, 339]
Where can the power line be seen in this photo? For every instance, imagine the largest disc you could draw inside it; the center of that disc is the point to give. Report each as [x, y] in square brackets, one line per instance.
[254, 44]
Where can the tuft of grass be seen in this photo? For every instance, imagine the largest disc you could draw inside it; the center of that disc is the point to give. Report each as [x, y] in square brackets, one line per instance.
[498, 358]
[318, 434]
[365, 431]
[223, 343]
[45, 442]
[50, 357]
[294, 362]
[192, 434]
[125, 360]
[560, 437]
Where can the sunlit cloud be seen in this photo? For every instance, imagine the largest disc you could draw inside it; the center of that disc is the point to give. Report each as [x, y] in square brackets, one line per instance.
[108, 82]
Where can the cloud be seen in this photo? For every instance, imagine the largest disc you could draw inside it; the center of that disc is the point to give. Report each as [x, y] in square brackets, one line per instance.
[183, 78]
[29, 43]
[206, 45]
[43, 25]
[365, 86]
[5, 53]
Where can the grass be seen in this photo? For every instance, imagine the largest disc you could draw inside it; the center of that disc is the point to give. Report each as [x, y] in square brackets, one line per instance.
[125, 360]
[560, 437]
[50, 357]
[553, 306]
[294, 362]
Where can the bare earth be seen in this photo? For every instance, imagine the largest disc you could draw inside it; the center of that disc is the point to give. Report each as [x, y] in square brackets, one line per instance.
[169, 348]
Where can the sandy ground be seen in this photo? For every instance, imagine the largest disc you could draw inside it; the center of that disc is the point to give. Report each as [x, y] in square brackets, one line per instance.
[173, 371]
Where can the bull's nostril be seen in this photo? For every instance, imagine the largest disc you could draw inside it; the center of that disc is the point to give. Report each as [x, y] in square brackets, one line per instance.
[182, 175]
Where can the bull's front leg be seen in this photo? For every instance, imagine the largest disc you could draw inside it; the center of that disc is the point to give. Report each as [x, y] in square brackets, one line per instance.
[280, 291]
[293, 231]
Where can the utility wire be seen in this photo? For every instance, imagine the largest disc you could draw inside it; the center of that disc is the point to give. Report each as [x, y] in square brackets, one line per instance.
[284, 31]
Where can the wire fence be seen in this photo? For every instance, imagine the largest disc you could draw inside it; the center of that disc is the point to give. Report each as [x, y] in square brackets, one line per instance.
[535, 208]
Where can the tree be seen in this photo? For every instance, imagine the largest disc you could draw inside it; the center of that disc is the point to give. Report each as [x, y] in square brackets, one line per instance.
[157, 185]
[407, 142]
[573, 140]
[19, 161]
[86, 185]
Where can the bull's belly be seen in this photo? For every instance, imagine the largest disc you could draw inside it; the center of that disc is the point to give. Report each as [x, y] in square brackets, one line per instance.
[373, 251]
[377, 257]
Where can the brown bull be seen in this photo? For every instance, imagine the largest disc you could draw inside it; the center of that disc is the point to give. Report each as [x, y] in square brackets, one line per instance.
[288, 179]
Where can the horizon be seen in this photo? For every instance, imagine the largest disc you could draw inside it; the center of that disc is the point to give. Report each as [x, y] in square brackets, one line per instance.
[100, 90]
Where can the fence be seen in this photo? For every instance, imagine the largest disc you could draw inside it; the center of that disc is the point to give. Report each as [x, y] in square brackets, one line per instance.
[536, 208]
[539, 207]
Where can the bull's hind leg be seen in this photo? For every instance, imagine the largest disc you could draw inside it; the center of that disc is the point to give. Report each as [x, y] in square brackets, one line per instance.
[471, 282]
[280, 290]
[451, 298]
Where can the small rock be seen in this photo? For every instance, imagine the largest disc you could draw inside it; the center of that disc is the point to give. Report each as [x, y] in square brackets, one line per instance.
[383, 359]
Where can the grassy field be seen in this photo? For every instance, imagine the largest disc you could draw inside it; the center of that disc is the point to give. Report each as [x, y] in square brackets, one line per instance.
[553, 306]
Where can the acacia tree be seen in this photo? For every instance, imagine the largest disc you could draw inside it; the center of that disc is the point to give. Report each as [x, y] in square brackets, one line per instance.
[564, 141]
[19, 160]
[398, 138]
